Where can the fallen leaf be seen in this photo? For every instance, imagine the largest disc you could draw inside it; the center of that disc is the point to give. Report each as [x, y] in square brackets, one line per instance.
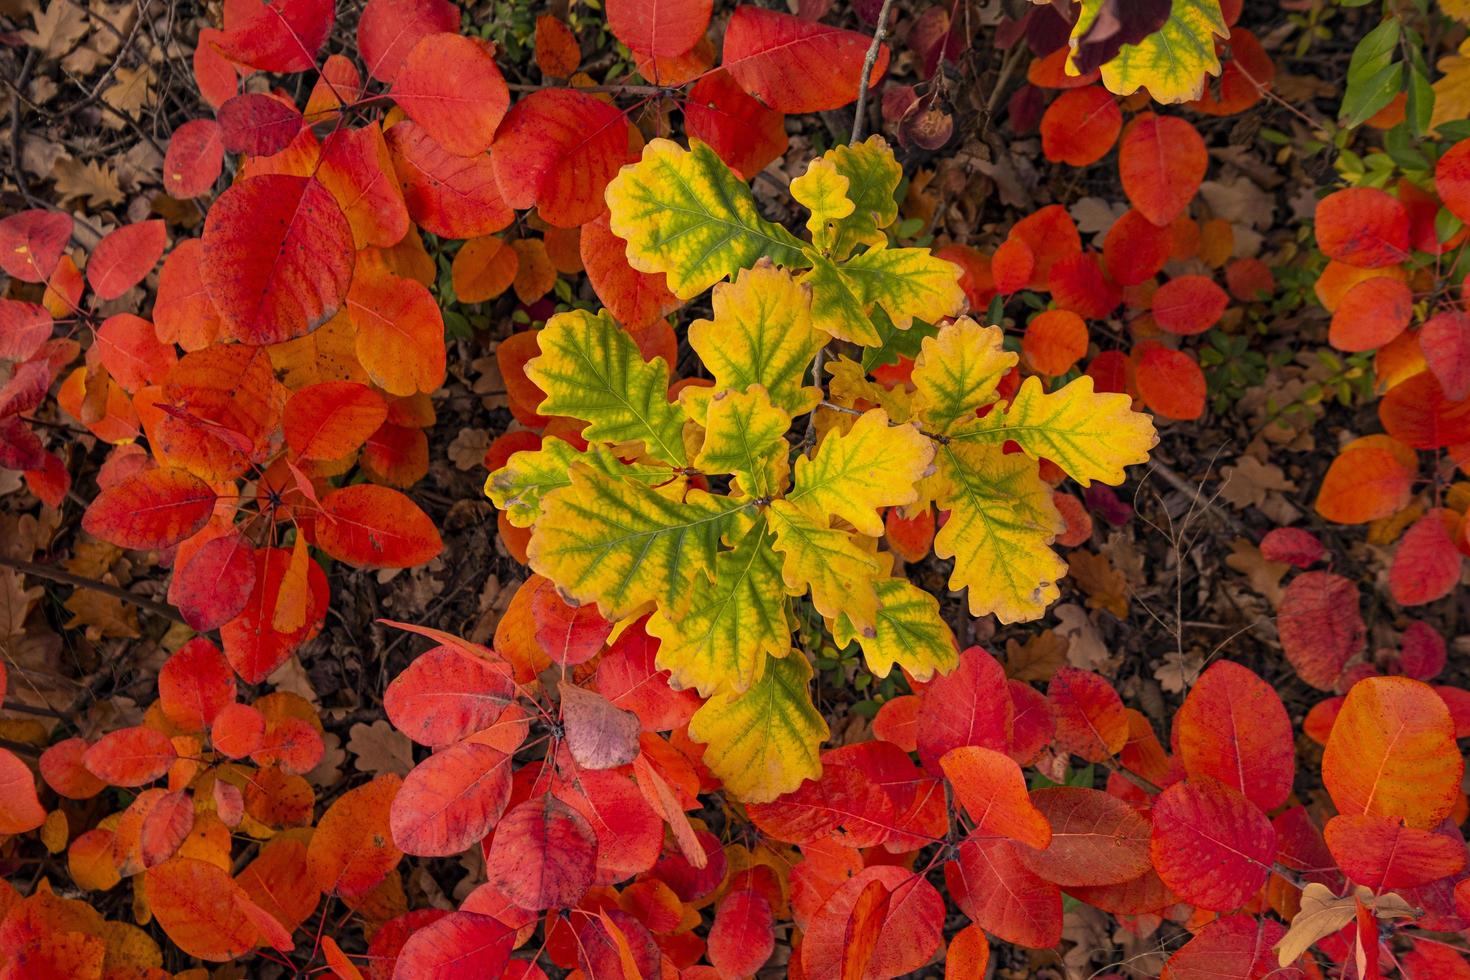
[467, 451]
[380, 748]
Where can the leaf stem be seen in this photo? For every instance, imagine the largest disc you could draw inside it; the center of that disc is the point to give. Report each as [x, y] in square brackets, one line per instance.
[860, 116]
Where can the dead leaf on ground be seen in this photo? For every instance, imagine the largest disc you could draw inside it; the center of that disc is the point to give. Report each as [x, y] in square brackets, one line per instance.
[380, 748]
[467, 451]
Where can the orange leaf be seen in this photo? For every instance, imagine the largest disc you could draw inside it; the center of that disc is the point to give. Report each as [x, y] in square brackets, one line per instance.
[130, 756]
[1089, 714]
[201, 909]
[352, 850]
[329, 420]
[1081, 126]
[1364, 227]
[153, 509]
[1096, 838]
[1233, 728]
[795, 65]
[1381, 853]
[21, 810]
[376, 527]
[992, 789]
[1161, 161]
[1211, 845]
[449, 85]
[1363, 484]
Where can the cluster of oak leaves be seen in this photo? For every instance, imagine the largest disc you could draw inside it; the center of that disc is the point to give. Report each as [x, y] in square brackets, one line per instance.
[645, 673]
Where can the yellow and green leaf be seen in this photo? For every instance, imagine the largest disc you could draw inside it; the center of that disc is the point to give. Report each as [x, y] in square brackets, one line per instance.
[828, 562]
[1090, 436]
[519, 486]
[734, 624]
[622, 545]
[956, 373]
[910, 633]
[838, 306]
[873, 176]
[1173, 61]
[823, 191]
[766, 740]
[906, 283]
[761, 334]
[685, 214]
[855, 473]
[1001, 525]
[591, 369]
[745, 435]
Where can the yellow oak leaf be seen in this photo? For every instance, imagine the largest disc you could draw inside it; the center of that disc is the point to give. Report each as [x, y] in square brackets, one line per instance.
[824, 193]
[908, 283]
[1452, 90]
[873, 176]
[764, 741]
[745, 435]
[519, 486]
[761, 334]
[591, 369]
[910, 632]
[829, 562]
[734, 623]
[1001, 525]
[956, 373]
[854, 473]
[621, 545]
[1173, 61]
[685, 214]
[1091, 436]
[838, 306]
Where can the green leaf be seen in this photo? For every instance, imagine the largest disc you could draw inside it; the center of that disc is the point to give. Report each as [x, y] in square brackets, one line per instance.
[621, 545]
[894, 343]
[1090, 436]
[519, 486]
[838, 305]
[764, 741]
[854, 474]
[734, 623]
[873, 176]
[907, 283]
[592, 370]
[684, 213]
[745, 435]
[910, 633]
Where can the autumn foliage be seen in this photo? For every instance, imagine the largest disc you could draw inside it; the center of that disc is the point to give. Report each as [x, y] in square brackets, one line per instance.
[727, 452]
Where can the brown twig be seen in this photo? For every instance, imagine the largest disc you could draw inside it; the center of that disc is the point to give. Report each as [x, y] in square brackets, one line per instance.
[860, 116]
[160, 609]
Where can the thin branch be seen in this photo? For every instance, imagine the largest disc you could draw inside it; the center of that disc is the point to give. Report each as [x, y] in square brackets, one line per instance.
[860, 116]
[160, 609]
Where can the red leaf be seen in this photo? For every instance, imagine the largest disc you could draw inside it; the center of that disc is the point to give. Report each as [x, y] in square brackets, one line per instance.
[1445, 341]
[358, 169]
[1422, 651]
[1234, 729]
[661, 28]
[451, 800]
[1452, 179]
[450, 86]
[278, 36]
[911, 929]
[1171, 383]
[389, 29]
[20, 808]
[992, 789]
[1419, 414]
[1320, 626]
[459, 946]
[1189, 304]
[1371, 314]
[375, 527]
[1096, 838]
[743, 936]
[1135, 248]
[251, 641]
[843, 797]
[153, 509]
[31, 243]
[183, 313]
[556, 151]
[1392, 753]
[634, 298]
[1079, 284]
[1089, 714]
[329, 420]
[990, 884]
[1426, 564]
[213, 585]
[543, 855]
[63, 767]
[794, 65]
[130, 756]
[352, 849]
[1081, 126]
[445, 696]
[24, 327]
[968, 706]
[1293, 546]
[1382, 853]
[1211, 845]
[744, 133]
[237, 730]
[132, 353]
[278, 257]
[165, 827]
[400, 332]
[195, 157]
[599, 734]
[1236, 946]
[123, 257]
[629, 677]
[258, 124]
[194, 685]
[629, 831]
[1161, 161]
[569, 634]
[447, 195]
[1364, 227]
[201, 909]
[1054, 342]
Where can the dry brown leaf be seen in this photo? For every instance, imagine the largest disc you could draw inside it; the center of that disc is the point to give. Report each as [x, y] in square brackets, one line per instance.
[103, 615]
[380, 748]
[1248, 479]
[16, 602]
[93, 182]
[1085, 649]
[1106, 587]
[127, 94]
[1037, 659]
[1264, 576]
[58, 29]
[467, 451]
